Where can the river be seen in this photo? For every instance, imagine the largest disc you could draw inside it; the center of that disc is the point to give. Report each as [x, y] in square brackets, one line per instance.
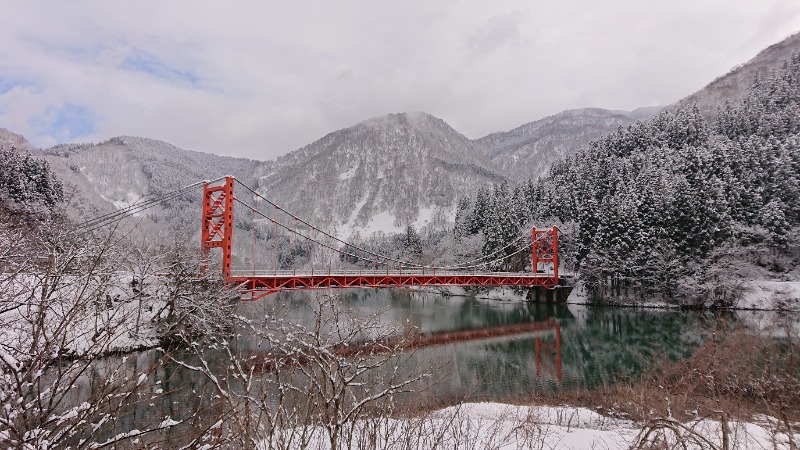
[572, 347]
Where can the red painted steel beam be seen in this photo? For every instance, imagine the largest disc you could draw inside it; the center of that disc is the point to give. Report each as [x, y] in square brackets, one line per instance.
[258, 285]
[217, 231]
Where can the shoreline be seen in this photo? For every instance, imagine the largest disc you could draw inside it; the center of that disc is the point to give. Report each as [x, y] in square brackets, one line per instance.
[751, 301]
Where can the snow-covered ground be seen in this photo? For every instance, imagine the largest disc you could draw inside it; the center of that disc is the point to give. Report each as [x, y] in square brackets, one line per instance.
[764, 294]
[756, 294]
[509, 427]
[80, 319]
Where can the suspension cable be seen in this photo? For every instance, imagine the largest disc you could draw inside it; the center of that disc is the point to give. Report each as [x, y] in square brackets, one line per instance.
[466, 264]
[377, 255]
[140, 205]
[385, 259]
[97, 225]
[290, 230]
[519, 250]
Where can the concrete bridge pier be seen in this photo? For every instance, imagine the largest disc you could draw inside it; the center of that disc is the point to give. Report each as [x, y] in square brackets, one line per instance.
[540, 294]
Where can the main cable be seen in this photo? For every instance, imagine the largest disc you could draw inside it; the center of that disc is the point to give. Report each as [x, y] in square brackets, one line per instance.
[140, 202]
[139, 206]
[466, 265]
[377, 255]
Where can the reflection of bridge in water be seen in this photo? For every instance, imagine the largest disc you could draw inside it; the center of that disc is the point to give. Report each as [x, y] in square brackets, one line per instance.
[548, 354]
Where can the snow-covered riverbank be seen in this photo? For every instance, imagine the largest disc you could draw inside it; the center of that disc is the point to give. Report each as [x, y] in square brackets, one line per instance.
[509, 427]
[766, 295]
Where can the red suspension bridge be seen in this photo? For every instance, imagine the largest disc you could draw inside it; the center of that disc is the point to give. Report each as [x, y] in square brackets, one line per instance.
[305, 256]
[318, 259]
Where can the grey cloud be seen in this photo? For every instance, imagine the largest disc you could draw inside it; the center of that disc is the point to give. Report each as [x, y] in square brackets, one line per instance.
[266, 78]
[498, 31]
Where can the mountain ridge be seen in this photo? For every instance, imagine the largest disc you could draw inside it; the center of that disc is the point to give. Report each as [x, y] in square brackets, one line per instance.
[735, 84]
[547, 140]
[392, 170]
[379, 174]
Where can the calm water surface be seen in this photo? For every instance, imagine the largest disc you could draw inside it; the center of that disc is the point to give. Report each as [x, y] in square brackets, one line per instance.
[588, 346]
[582, 347]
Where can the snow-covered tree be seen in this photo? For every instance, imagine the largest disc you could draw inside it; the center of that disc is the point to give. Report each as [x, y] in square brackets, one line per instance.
[27, 180]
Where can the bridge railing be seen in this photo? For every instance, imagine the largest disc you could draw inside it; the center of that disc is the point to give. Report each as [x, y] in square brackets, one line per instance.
[378, 272]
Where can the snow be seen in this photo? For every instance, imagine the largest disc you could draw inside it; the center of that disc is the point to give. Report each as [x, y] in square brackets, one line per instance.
[578, 294]
[509, 427]
[383, 221]
[168, 422]
[350, 173]
[424, 217]
[129, 199]
[764, 294]
[97, 331]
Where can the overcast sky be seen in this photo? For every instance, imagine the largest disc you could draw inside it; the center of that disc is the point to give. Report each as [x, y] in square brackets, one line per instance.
[259, 79]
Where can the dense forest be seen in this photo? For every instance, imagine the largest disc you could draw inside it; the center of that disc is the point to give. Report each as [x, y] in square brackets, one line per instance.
[27, 181]
[672, 206]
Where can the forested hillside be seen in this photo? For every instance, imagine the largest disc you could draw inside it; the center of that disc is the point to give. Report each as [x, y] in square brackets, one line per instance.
[26, 181]
[734, 85]
[675, 206]
[381, 174]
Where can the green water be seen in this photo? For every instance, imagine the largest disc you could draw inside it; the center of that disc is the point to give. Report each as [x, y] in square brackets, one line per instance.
[583, 347]
[597, 345]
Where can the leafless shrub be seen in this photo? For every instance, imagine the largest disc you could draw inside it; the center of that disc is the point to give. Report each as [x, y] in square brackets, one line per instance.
[65, 304]
[325, 381]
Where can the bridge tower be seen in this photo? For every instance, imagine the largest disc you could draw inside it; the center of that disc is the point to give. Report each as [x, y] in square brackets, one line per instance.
[217, 231]
[544, 249]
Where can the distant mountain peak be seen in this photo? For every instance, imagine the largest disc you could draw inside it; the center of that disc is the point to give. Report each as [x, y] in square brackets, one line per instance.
[381, 174]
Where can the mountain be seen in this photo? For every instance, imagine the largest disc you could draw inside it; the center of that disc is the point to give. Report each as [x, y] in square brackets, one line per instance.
[381, 174]
[735, 85]
[100, 178]
[10, 139]
[528, 151]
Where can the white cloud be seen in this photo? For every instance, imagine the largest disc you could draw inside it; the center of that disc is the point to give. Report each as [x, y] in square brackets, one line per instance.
[259, 79]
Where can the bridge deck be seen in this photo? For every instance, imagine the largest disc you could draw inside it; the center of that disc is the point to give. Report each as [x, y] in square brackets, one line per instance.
[261, 283]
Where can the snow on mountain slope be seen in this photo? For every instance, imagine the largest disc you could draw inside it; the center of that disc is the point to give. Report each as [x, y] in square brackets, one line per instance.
[10, 139]
[113, 174]
[734, 85]
[379, 175]
[528, 151]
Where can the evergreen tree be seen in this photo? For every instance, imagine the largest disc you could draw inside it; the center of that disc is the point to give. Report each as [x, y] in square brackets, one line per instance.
[462, 222]
[412, 245]
[650, 199]
[478, 219]
[27, 180]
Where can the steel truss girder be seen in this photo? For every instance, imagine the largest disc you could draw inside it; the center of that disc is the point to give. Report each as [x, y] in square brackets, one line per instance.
[259, 286]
